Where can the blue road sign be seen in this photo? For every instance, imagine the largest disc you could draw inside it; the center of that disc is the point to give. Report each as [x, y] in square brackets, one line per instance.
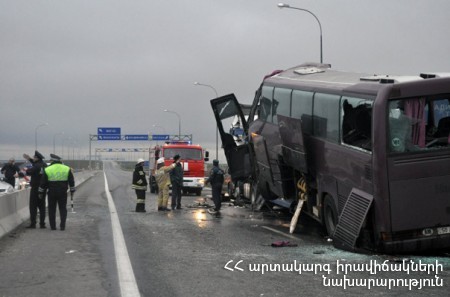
[109, 137]
[108, 131]
[136, 137]
[160, 137]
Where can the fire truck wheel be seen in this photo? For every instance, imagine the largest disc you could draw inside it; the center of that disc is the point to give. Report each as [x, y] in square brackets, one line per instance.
[330, 215]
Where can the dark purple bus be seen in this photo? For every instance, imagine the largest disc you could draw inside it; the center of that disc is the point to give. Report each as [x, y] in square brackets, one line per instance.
[368, 156]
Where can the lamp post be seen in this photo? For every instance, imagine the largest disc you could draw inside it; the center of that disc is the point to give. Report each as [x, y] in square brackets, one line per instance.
[35, 134]
[283, 5]
[54, 142]
[62, 146]
[179, 122]
[217, 129]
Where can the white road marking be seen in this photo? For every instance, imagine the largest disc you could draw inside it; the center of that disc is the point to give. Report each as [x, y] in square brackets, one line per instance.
[281, 233]
[127, 281]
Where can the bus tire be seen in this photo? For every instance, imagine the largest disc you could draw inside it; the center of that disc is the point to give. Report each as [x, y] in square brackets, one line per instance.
[330, 215]
[198, 192]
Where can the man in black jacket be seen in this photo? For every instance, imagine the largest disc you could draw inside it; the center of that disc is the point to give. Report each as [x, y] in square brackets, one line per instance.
[35, 172]
[11, 171]
[176, 179]
[216, 178]
[139, 185]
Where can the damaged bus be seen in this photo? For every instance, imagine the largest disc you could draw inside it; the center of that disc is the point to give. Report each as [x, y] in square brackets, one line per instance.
[367, 156]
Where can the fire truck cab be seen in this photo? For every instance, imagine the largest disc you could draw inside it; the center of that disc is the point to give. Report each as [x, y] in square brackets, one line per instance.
[193, 159]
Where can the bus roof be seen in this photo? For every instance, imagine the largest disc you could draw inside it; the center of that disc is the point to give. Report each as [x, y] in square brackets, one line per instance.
[320, 77]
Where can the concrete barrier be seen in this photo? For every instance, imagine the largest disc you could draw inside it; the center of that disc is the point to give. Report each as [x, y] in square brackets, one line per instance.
[14, 208]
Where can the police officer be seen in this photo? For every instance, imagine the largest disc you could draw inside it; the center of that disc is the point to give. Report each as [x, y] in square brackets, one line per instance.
[176, 179]
[216, 179]
[139, 185]
[56, 179]
[35, 172]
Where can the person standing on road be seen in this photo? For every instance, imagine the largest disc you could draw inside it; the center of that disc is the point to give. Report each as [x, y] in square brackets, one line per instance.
[11, 171]
[139, 185]
[176, 179]
[163, 180]
[35, 172]
[56, 179]
[216, 178]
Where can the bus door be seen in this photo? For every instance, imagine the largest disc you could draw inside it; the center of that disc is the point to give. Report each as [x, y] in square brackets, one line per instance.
[230, 118]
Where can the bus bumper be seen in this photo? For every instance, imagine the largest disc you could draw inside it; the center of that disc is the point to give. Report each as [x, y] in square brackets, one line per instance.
[430, 243]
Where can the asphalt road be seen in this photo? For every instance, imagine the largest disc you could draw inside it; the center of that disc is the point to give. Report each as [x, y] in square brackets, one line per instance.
[189, 252]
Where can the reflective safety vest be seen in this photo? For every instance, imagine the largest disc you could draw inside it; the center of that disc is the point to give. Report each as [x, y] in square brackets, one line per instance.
[57, 172]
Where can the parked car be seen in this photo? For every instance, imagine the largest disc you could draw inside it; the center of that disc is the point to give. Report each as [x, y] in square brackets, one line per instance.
[5, 188]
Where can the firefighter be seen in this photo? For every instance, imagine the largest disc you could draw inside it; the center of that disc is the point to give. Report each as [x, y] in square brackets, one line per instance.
[139, 185]
[56, 179]
[216, 179]
[176, 179]
[163, 180]
[35, 172]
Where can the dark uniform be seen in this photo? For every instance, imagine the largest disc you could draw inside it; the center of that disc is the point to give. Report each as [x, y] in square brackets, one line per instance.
[176, 179]
[10, 169]
[139, 185]
[216, 179]
[57, 178]
[35, 203]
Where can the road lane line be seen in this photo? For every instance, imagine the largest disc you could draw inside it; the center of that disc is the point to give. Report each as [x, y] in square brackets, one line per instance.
[281, 233]
[127, 281]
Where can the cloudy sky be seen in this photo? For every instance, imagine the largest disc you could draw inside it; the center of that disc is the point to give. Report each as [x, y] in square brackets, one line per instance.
[82, 64]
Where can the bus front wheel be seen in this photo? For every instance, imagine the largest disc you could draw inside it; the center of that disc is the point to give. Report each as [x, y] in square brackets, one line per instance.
[330, 215]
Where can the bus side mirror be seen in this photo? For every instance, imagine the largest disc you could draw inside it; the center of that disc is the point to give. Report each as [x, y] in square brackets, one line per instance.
[206, 156]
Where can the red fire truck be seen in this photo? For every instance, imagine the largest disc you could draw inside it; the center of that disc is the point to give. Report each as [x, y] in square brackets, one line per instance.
[193, 159]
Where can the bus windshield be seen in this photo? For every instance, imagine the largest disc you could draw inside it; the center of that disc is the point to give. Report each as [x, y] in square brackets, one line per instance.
[419, 124]
[185, 153]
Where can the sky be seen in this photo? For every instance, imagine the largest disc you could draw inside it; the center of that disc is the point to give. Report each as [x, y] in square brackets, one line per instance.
[78, 65]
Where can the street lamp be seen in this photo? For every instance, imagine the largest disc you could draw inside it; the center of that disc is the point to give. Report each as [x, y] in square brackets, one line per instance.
[283, 5]
[217, 128]
[35, 134]
[54, 137]
[62, 146]
[179, 122]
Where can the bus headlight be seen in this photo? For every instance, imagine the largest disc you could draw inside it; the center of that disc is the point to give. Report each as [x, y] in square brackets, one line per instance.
[427, 232]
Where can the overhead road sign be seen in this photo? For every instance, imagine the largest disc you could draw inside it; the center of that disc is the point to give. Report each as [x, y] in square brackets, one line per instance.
[117, 150]
[136, 137]
[109, 137]
[108, 131]
[160, 137]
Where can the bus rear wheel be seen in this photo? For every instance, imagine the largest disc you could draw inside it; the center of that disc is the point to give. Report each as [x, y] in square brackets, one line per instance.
[330, 215]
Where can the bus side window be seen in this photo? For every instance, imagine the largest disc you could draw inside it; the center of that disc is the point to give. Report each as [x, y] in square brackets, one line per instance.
[281, 103]
[357, 122]
[326, 116]
[301, 108]
[265, 104]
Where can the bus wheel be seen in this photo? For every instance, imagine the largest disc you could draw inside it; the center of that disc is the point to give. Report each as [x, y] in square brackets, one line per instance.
[330, 215]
